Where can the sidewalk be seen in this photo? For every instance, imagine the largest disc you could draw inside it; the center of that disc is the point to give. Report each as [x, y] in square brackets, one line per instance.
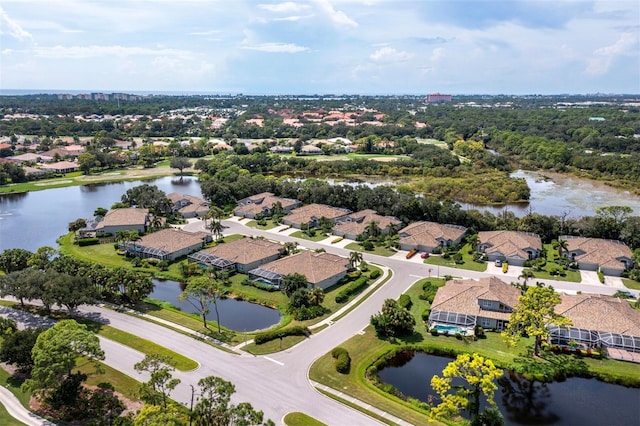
[18, 412]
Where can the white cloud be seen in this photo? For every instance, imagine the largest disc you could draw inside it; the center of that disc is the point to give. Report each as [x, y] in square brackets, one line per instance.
[603, 57]
[276, 47]
[83, 52]
[389, 54]
[436, 54]
[205, 33]
[294, 18]
[287, 7]
[338, 17]
[14, 29]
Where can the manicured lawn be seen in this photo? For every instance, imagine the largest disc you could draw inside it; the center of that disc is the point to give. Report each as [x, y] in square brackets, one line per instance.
[301, 419]
[13, 384]
[318, 237]
[467, 259]
[572, 276]
[380, 251]
[274, 345]
[634, 285]
[254, 224]
[128, 386]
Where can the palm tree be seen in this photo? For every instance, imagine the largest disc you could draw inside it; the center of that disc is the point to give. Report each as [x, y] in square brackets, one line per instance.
[216, 229]
[316, 296]
[391, 229]
[156, 222]
[372, 229]
[290, 247]
[561, 246]
[355, 257]
[526, 275]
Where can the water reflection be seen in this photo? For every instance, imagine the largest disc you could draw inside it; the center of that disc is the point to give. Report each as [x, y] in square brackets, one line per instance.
[574, 401]
[236, 315]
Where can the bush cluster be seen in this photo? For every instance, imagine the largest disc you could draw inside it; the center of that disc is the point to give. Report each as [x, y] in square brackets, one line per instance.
[304, 313]
[355, 287]
[375, 274]
[343, 360]
[268, 336]
[429, 291]
[88, 241]
[405, 301]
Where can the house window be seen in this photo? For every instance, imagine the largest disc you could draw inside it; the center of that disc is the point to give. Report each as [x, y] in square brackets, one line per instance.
[485, 303]
[485, 322]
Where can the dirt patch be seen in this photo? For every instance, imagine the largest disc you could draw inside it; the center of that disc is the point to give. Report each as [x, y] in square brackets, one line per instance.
[385, 159]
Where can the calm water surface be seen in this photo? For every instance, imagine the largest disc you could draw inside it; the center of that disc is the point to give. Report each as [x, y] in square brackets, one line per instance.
[575, 401]
[236, 315]
[38, 218]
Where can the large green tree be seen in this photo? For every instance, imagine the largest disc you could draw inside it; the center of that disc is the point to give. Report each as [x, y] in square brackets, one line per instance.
[292, 282]
[180, 163]
[12, 260]
[16, 348]
[478, 374]
[214, 406]
[201, 292]
[56, 352]
[161, 382]
[532, 315]
[393, 320]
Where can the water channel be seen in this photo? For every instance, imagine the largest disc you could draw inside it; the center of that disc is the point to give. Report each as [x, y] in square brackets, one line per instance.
[237, 315]
[575, 401]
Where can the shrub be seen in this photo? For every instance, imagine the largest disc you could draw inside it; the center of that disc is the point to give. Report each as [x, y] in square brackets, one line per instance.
[355, 274]
[375, 274]
[405, 301]
[268, 336]
[163, 265]
[304, 313]
[434, 332]
[425, 314]
[355, 287]
[446, 256]
[88, 241]
[601, 276]
[343, 360]
[429, 291]
[457, 258]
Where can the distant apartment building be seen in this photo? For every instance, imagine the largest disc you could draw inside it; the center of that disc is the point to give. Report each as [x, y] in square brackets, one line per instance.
[435, 98]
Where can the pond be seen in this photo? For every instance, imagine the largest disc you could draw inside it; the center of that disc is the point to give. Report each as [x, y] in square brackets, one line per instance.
[237, 315]
[575, 401]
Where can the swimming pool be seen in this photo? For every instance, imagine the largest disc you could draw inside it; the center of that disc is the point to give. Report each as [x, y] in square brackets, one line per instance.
[449, 328]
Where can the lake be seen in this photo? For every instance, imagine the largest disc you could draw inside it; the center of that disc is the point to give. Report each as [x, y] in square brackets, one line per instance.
[237, 315]
[575, 401]
[36, 219]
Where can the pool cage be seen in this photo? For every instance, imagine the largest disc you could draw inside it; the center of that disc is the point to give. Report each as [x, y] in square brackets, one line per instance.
[587, 339]
[206, 259]
[146, 252]
[272, 277]
[452, 318]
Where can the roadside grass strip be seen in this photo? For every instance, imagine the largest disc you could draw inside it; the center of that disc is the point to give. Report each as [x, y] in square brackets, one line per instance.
[301, 419]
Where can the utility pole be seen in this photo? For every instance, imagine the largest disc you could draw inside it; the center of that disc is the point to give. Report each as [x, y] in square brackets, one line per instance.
[193, 392]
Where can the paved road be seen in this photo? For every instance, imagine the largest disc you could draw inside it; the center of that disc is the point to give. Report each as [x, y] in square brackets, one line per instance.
[278, 383]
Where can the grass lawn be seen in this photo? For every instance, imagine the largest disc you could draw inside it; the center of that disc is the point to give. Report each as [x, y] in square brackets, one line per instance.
[572, 276]
[380, 251]
[7, 420]
[467, 259]
[634, 285]
[128, 386]
[254, 224]
[301, 419]
[318, 237]
[366, 348]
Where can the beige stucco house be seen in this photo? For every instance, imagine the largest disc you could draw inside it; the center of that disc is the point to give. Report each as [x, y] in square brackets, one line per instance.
[512, 246]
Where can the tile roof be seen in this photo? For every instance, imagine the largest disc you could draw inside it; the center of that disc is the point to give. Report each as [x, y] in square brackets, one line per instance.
[305, 214]
[462, 296]
[256, 203]
[605, 253]
[317, 267]
[128, 216]
[600, 313]
[172, 240]
[60, 165]
[357, 222]
[430, 233]
[245, 250]
[510, 243]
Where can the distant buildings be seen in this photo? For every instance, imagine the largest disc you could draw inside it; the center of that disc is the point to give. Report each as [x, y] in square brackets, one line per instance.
[435, 98]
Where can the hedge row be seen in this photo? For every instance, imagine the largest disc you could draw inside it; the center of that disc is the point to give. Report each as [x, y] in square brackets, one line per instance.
[375, 274]
[88, 241]
[343, 360]
[268, 336]
[355, 287]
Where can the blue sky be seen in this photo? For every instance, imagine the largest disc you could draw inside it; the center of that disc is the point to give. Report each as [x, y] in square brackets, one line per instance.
[322, 46]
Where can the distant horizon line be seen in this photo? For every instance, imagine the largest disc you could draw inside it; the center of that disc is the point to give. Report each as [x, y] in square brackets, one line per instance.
[26, 92]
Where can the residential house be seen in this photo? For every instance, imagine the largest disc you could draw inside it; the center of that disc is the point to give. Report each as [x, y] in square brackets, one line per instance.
[187, 205]
[167, 244]
[261, 205]
[61, 167]
[514, 247]
[463, 304]
[611, 257]
[428, 236]
[242, 255]
[354, 224]
[310, 150]
[280, 149]
[322, 270]
[31, 158]
[129, 219]
[597, 321]
[312, 213]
